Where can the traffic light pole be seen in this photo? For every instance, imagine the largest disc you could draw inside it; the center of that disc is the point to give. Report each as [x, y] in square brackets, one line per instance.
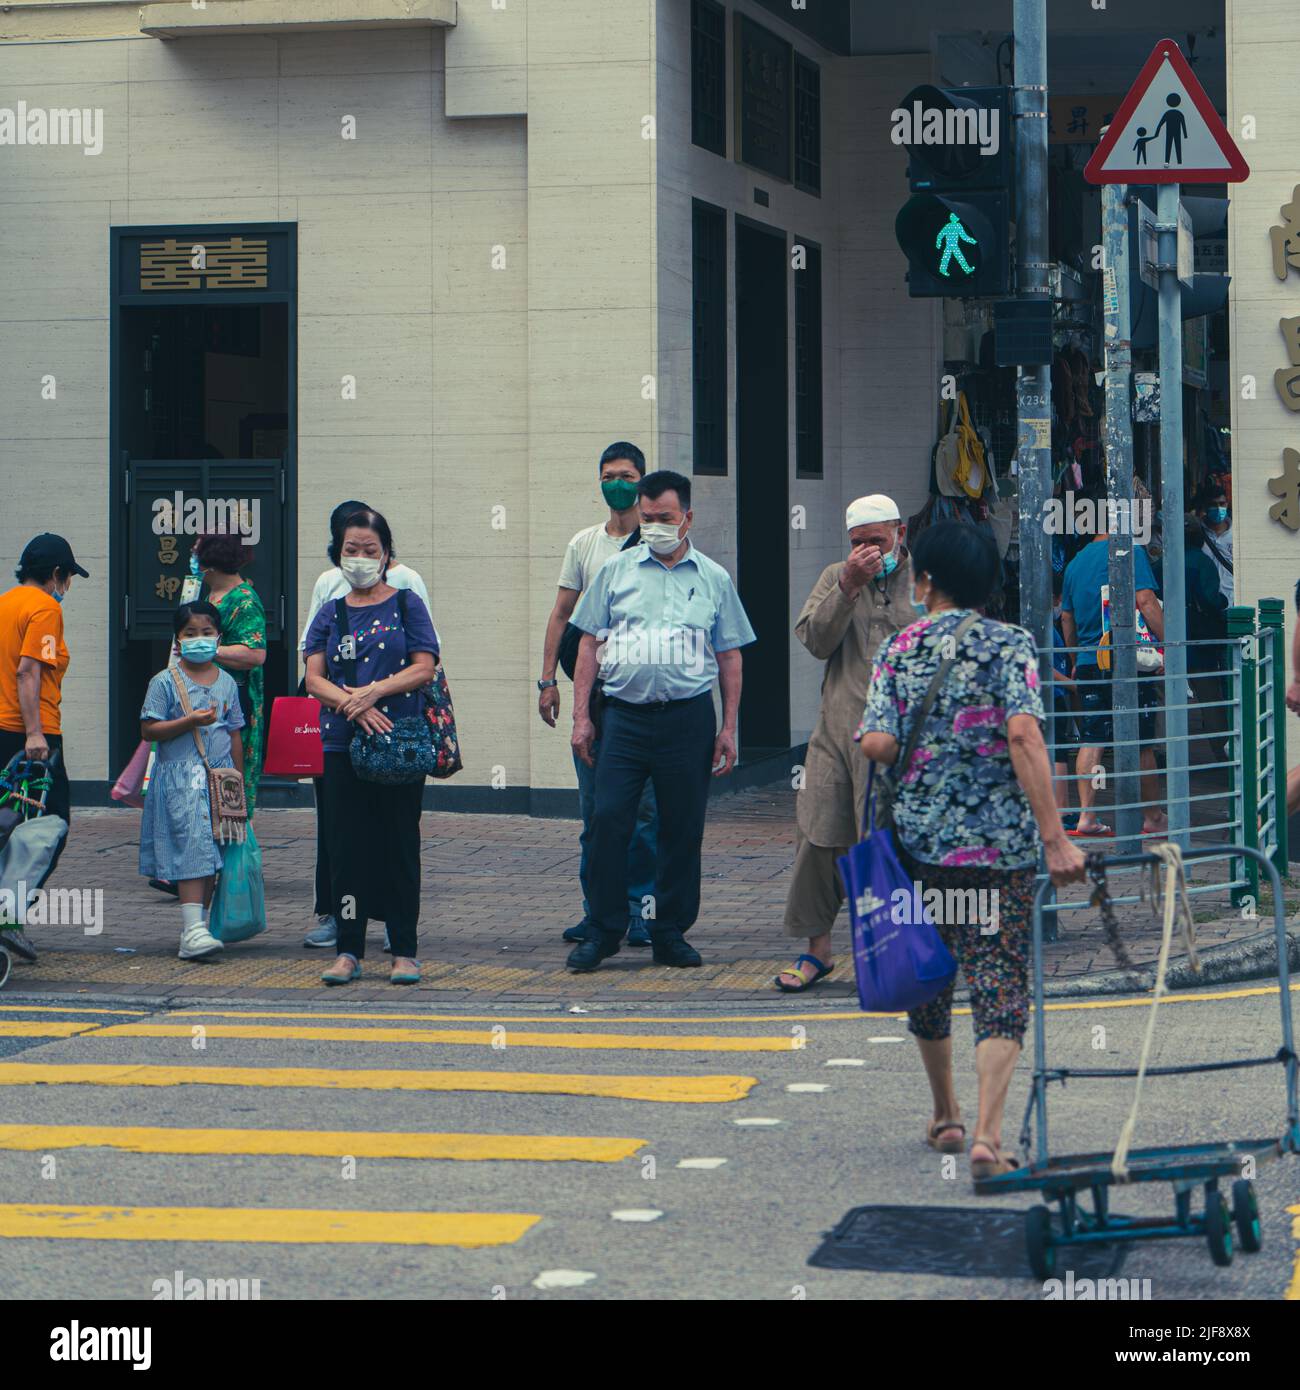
[1033, 384]
[1118, 438]
[1172, 506]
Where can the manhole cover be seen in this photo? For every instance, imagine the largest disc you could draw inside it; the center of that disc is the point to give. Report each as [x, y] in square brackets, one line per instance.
[970, 1242]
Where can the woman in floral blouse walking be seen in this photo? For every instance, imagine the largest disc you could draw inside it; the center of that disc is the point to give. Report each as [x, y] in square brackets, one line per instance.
[969, 812]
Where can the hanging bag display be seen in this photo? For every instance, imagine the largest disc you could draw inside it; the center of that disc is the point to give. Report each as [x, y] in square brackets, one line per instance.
[226, 804]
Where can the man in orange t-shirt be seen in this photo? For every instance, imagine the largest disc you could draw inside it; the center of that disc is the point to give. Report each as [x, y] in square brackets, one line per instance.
[33, 660]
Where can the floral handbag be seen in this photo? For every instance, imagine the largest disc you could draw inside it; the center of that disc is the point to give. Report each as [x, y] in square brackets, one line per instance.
[439, 714]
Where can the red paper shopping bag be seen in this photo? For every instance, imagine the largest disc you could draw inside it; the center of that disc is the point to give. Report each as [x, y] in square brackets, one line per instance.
[293, 747]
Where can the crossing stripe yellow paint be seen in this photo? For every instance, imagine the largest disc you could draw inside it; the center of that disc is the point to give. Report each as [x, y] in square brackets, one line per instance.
[1292, 1293]
[647, 1042]
[672, 1089]
[42, 1028]
[313, 1143]
[290, 1226]
[69, 1009]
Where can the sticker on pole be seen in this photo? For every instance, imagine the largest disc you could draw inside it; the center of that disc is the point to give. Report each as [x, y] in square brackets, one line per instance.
[1166, 130]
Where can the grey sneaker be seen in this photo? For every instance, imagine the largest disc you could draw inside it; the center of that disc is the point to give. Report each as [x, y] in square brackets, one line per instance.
[326, 934]
[387, 945]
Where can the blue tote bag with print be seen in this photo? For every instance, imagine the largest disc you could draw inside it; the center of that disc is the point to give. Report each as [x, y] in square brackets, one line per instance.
[899, 958]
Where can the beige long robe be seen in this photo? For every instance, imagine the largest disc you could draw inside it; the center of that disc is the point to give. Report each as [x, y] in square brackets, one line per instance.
[846, 634]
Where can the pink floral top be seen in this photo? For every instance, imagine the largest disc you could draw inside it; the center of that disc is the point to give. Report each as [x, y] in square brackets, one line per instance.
[958, 800]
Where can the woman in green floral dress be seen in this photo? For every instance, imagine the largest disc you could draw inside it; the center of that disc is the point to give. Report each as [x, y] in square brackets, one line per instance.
[243, 640]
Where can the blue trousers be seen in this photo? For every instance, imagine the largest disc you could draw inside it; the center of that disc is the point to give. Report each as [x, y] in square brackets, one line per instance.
[641, 851]
[671, 747]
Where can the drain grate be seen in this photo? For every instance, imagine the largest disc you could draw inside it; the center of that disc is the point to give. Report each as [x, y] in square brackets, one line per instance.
[965, 1242]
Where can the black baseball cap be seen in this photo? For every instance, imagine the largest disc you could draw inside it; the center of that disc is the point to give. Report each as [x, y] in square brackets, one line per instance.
[50, 551]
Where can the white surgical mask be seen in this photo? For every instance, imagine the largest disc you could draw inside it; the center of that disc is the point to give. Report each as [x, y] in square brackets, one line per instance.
[660, 536]
[360, 571]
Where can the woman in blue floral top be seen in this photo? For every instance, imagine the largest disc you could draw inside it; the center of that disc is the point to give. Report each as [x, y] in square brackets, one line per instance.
[971, 810]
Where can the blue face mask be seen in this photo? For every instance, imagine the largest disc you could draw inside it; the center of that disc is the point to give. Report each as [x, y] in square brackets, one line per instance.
[198, 649]
[1216, 514]
[890, 562]
[58, 597]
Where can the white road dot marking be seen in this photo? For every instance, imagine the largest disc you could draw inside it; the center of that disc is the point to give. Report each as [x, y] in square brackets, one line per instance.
[636, 1214]
[756, 1120]
[846, 1062]
[563, 1278]
[886, 1039]
[808, 1086]
[701, 1162]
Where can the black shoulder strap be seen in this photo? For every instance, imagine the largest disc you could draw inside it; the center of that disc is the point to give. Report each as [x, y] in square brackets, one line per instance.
[341, 625]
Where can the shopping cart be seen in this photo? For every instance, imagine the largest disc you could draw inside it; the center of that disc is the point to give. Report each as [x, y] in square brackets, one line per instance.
[1065, 1179]
[29, 838]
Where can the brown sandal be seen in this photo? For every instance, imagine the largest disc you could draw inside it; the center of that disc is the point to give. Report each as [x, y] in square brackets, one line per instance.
[990, 1168]
[946, 1146]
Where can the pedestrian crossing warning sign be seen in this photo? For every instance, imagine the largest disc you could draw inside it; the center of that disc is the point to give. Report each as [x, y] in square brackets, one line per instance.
[1166, 130]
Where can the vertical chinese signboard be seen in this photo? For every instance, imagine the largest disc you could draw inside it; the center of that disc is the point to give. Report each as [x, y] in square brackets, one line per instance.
[1285, 238]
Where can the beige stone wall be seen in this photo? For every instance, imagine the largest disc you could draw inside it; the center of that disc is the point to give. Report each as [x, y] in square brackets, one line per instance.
[1263, 57]
[877, 420]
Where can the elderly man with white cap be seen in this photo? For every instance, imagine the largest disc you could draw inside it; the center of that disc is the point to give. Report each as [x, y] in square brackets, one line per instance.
[854, 606]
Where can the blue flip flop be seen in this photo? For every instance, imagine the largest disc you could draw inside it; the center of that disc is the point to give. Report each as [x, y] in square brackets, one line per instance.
[822, 972]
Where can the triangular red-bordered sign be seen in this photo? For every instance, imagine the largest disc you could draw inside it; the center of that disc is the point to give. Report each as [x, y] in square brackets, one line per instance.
[1212, 156]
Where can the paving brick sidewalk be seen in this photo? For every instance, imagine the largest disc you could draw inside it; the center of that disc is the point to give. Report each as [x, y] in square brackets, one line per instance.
[497, 892]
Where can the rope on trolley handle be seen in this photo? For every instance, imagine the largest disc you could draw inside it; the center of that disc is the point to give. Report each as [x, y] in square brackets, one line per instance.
[1176, 905]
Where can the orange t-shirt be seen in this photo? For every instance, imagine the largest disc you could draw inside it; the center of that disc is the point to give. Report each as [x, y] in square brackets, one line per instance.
[31, 624]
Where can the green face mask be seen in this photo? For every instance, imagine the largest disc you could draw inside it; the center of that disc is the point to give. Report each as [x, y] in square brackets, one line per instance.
[619, 493]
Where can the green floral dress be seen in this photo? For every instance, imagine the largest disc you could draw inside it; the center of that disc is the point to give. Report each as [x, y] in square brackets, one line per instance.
[243, 624]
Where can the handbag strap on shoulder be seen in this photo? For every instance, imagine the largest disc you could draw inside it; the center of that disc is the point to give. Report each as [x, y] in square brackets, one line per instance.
[341, 625]
[184, 698]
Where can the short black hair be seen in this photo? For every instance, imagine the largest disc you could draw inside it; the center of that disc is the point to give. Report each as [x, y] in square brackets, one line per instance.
[372, 521]
[1209, 491]
[662, 480]
[42, 574]
[621, 449]
[337, 518]
[961, 560]
[200, 608]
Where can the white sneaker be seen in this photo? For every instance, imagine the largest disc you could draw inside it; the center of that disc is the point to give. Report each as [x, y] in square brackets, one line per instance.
[197, 943]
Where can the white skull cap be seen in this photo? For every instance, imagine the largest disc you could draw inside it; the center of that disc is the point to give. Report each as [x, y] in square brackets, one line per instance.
[868, 510]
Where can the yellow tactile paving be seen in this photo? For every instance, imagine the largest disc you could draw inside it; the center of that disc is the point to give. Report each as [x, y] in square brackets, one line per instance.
[264, 1225]
[543, 1148]
[672, 1089]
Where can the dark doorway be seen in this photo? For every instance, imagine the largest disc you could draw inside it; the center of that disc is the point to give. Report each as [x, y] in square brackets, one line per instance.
[203, 409]
[763, 484]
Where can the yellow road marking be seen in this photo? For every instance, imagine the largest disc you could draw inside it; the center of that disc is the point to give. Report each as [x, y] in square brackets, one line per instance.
[320, 1143]
[1292, 1293]
[264, 1225]
[69, 1009]
[648, 1042]
[676, 1089]
[40, 1028]
[1060, 1006]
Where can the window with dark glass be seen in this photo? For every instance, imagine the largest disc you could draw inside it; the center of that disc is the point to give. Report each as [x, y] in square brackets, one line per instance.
[708, 76]
[808, 364]
[709, 336]
[807, 125]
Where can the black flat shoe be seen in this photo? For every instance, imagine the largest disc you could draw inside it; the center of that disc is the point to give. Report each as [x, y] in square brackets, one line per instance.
[589, 954]
[162, 885]
[575, 933]
[673, 950]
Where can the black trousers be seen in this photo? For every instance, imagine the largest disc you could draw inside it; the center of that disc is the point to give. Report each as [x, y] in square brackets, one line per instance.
[372, 835]
[324, 880]
[672, 745]
[58, 800]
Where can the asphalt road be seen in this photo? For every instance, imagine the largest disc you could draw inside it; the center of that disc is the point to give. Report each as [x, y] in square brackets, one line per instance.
[741, 1228]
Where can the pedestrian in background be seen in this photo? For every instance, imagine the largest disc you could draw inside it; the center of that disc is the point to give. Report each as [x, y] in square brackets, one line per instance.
[853, 607]
[33, 662]
[1216, 533]
[670, 622]
[621, 468]
[971, 812]
[330, 585]
[242, 650]
[1207, 621]
[176, 839]
[372, 829]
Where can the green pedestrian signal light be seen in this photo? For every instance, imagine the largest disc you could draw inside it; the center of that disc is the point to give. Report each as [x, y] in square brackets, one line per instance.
[949, 240]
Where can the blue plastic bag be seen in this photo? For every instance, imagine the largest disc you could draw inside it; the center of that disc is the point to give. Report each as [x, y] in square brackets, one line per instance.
[239, 904]
[899, 965]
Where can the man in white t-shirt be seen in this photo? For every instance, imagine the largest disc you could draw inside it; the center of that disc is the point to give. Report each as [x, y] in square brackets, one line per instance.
[1216, 525]
[621, 467]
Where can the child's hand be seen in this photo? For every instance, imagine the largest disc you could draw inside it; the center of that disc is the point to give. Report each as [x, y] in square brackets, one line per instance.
[201, 718]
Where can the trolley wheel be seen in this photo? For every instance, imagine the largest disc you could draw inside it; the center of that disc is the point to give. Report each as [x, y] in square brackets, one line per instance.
[1218, 1228]
[1038, 1242]
[6, 964]
[1245, 1212]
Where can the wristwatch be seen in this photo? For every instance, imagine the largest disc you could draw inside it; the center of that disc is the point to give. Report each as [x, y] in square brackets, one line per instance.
[546, 685]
